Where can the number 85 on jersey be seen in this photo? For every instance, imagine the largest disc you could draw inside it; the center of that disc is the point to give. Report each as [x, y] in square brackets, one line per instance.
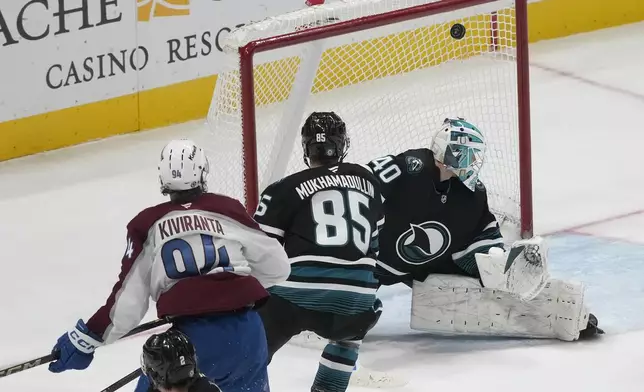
[338, 217]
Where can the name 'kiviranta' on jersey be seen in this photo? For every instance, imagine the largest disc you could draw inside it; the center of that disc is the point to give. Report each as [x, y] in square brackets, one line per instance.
[328, 220]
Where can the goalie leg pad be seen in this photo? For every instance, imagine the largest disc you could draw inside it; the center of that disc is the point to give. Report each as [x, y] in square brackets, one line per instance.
[456, 305]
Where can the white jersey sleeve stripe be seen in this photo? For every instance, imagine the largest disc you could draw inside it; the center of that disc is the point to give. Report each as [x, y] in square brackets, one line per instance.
[478, 244]
[272, 230]
[389, 268]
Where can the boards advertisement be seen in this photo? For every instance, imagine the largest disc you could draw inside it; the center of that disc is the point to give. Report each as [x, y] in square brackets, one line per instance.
[78, 70]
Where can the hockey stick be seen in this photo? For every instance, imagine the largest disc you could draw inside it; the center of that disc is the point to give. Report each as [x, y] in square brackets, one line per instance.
[54, 356]
[124, 381]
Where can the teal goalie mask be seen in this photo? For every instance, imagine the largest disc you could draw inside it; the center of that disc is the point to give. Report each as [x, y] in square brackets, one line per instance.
[460, 146]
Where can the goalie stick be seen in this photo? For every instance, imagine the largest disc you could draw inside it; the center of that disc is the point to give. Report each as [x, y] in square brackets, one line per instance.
[54, 356]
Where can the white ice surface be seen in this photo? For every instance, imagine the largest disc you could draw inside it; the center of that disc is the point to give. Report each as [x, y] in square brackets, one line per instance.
[625, 228]
[64, 213]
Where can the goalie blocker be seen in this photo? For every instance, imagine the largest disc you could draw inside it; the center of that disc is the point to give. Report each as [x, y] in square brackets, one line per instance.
[517, 299]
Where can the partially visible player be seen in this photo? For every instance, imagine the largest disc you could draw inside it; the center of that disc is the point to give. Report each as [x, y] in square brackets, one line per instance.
[206, 264]
[441, 238]
[328, 219]
[170, 363]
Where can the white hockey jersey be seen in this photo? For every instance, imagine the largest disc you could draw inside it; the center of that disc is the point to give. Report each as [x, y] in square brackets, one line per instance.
[196, 258]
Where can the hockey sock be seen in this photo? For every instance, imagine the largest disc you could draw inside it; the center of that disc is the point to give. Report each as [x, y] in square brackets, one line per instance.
[336, 365]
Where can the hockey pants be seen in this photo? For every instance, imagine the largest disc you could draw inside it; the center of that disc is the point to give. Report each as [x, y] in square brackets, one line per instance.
[231, 350]
[283, 320]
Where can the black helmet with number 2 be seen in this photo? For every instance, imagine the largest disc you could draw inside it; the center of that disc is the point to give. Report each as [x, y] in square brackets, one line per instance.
[169, 360]
[324, 138]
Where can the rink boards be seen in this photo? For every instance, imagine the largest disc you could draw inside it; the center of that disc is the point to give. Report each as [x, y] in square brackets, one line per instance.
[86, 73]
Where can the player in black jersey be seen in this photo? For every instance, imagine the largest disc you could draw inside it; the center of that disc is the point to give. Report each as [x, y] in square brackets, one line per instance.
[170, 362]
[436, 220]
[440, 237]
[327, 217]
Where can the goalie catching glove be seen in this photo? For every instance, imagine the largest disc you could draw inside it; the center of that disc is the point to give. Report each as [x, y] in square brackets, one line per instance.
[521, 270]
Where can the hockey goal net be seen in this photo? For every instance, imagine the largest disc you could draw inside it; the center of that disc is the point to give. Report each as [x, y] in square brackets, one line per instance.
[393, 70]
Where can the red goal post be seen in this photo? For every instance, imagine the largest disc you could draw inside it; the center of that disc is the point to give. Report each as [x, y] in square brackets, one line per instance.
[242, 89]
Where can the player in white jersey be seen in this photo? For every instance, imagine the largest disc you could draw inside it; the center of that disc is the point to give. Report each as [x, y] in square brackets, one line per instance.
[206, 264]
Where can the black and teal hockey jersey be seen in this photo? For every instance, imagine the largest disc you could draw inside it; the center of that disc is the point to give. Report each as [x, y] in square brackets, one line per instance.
[433, 226]
[328, 220]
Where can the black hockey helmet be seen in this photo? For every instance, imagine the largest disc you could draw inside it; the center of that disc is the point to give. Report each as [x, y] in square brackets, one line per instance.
[169, 360]
[324, 138]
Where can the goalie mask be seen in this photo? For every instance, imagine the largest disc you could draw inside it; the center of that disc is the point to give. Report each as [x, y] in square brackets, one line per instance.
[324, 138]
[460, 146]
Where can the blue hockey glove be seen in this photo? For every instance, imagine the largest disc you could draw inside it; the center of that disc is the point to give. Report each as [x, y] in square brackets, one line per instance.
[75, 348]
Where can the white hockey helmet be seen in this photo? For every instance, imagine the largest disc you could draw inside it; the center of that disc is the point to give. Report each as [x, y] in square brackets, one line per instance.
[460, 146]
[183, 166]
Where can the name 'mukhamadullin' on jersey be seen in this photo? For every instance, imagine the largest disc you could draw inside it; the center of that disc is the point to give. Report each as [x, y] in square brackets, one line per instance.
[316, 213]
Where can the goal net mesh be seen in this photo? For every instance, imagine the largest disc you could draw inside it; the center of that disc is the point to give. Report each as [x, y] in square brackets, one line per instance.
[393, 86]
